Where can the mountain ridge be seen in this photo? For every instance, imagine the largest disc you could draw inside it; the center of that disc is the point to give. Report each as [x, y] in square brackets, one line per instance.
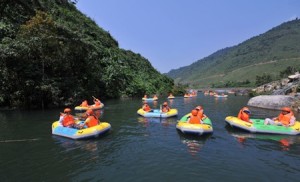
[278, 44]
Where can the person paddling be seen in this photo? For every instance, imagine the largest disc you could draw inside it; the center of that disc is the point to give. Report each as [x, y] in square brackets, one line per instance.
[97, 102]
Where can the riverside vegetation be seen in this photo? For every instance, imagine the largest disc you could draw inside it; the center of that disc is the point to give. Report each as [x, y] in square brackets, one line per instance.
[53, 55]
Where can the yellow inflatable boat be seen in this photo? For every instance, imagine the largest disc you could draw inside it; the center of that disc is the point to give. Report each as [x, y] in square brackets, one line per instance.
[196, 129]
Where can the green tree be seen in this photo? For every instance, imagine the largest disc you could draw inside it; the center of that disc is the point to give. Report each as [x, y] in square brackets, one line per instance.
[288, 71]
[265, 78]
[57, 56]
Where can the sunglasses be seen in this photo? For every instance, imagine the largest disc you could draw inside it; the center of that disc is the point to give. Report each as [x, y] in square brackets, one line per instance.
[248, 112]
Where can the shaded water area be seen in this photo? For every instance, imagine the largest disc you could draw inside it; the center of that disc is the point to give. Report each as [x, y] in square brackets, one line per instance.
[146, 149]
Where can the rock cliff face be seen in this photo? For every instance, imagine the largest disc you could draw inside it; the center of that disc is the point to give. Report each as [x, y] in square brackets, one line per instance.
[282, 87]
[282, 93]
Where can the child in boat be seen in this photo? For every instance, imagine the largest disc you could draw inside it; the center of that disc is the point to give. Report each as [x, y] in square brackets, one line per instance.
[165, 107]
[200, 114]
[194, 119]
[244, 114]
[285, 118]
[146, 107]
[171, 95]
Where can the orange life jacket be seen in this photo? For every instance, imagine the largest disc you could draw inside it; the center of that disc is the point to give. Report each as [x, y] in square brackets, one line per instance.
[194, 120]
[244, 116]
[200, 114]
[285, 119]
[68, 120]
[93, 121]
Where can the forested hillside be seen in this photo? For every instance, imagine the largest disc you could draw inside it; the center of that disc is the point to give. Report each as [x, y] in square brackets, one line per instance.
[268, 55]
[53, 55]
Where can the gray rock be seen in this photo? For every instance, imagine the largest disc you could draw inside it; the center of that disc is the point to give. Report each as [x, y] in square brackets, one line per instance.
[284, 81]
[271, 101]
[269, 88]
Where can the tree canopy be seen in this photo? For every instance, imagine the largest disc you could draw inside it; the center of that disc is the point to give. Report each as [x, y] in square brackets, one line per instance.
[53, 55]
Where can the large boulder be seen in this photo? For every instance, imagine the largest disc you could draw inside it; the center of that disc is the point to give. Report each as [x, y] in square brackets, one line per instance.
[272, 101]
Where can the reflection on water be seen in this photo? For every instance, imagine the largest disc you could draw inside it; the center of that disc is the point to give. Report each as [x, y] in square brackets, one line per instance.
[284, 141]
[163, 121]
[86, 150]
[146, 120]
[187, 100]
[194, 143]
[84, 145]
[220, 99]
[171, 101]
[194, 146]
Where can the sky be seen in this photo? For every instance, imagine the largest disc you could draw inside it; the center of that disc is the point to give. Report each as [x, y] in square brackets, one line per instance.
[175, 33]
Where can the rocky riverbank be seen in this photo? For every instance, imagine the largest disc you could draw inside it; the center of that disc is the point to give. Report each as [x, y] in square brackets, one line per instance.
[277, 94]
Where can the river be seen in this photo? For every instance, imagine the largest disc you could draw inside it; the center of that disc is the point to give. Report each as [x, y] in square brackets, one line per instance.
[146, 149]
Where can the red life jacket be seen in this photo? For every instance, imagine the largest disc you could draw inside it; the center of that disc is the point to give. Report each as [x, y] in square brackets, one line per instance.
[146, 108]
[93, 121]
[194, 120]
[68, 120]
[285, 119]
